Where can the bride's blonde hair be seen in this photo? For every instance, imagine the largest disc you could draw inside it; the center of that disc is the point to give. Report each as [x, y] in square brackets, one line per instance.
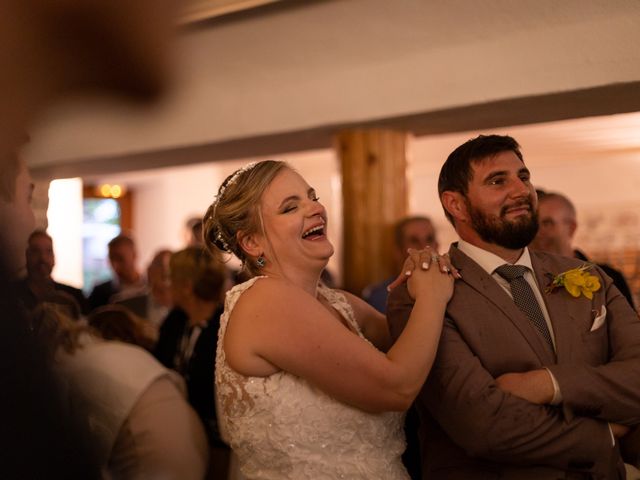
[235, 212]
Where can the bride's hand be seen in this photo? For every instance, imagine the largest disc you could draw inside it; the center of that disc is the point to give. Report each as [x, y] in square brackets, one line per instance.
[432, 283]
[423, 259]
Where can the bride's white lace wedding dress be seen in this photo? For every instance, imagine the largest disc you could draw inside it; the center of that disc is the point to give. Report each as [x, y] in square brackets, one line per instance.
[281, 427]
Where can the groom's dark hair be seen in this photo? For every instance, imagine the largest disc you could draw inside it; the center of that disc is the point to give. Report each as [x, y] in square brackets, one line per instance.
[456, 173]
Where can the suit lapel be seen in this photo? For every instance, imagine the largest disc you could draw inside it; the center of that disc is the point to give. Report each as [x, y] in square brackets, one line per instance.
[474, 276]
[558, 308]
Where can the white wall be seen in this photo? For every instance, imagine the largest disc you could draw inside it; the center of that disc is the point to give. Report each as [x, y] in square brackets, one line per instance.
[65, 227]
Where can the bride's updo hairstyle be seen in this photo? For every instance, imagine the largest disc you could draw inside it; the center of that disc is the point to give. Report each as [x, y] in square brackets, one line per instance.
[236, 210]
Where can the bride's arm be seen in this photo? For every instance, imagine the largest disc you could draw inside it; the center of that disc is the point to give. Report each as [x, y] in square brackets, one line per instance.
[372, 323]
[277, 326]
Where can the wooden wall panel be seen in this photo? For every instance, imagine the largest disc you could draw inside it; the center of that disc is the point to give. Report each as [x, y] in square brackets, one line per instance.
[374, 189]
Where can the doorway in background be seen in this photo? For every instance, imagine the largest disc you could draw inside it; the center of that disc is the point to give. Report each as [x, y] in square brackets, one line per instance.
[106, 213]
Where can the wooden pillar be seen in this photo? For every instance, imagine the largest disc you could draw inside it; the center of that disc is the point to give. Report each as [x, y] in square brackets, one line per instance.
[374, 196]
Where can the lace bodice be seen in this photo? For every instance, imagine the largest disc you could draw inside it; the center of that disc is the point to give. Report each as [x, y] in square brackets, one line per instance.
[281, 427]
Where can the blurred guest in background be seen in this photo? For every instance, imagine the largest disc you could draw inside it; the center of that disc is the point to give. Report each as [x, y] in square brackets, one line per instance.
[154, 304]
[188, 337]
[194, 232]
[140, 425]
[115, 322]
[415, 232]
[127, 281]
[558, 225]
[38, 286]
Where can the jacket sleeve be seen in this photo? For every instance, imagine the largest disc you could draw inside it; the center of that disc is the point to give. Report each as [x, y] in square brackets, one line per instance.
[486, 422]
[610, 391]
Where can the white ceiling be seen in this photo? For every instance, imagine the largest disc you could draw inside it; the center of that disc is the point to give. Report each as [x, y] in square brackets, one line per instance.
[295, 67]
[552, 143]
[559, 143]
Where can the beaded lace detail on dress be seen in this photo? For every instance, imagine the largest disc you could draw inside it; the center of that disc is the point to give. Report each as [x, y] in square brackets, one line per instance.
[281, 427]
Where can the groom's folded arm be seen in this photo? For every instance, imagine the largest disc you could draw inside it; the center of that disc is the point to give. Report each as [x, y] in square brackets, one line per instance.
[489, 423]
[610, 391]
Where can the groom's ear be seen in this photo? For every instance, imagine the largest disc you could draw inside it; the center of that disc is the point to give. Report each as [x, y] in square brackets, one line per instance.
[453, 202]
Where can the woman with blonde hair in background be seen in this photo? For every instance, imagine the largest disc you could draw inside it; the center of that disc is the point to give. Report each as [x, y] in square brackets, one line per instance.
[308, 382]
[188, 337]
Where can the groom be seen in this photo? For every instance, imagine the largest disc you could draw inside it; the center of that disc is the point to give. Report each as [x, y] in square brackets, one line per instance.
[528, 383]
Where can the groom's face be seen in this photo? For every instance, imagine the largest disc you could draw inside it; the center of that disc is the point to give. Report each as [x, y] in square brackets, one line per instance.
[501, 202]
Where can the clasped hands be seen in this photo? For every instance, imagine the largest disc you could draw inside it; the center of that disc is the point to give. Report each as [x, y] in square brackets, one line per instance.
[423, 259]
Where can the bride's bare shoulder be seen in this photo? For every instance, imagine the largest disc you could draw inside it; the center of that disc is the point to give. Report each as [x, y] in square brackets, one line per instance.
[270, 295]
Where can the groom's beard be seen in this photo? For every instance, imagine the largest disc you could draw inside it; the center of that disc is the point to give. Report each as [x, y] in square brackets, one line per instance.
[511, 234]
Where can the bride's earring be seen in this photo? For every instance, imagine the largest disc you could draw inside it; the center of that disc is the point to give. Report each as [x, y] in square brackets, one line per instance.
[261, 261]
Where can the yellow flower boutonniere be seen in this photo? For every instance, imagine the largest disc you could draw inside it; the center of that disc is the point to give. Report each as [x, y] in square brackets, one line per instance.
[577, 281]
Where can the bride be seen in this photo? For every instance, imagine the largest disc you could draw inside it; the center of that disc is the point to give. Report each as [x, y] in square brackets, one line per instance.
[308, 383]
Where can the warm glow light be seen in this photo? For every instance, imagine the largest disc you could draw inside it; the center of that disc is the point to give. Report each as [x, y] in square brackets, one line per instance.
[107, 190]
[65, 227]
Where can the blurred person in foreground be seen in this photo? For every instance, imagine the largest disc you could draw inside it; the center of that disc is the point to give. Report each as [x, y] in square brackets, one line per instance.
[415, 232]
[36, 438]
[16, 215]
[308, 381]
[558, 224]
[49, 50]
[38, 286]
[538, 367]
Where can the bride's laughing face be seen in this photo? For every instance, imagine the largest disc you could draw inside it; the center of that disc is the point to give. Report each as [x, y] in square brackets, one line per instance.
[295, 223]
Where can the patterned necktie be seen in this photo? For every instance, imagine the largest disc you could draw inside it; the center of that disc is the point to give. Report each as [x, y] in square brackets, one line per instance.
[524, 297]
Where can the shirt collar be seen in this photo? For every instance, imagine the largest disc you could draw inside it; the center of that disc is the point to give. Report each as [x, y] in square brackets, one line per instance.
[489, 261]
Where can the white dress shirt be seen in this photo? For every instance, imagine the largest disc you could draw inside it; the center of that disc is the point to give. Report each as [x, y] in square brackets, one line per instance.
[489, 262]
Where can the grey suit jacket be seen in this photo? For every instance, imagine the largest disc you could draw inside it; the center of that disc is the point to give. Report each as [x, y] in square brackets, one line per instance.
[473, 430]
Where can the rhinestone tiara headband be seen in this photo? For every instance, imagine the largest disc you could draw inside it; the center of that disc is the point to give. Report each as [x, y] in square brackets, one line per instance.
[233, 179]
